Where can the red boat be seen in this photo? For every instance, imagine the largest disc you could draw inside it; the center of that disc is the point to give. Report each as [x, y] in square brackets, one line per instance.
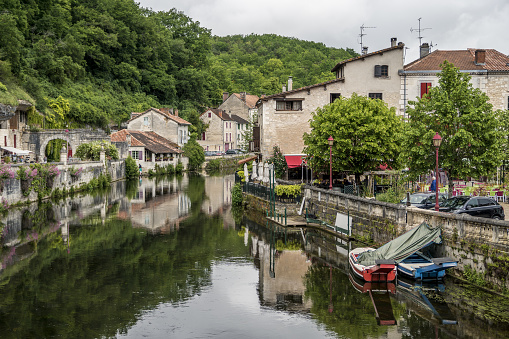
[382, 270]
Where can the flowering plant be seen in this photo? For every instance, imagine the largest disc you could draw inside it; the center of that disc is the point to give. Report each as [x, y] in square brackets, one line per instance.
[26, 173]
[53, 171]
[6, 172]
[75, 172]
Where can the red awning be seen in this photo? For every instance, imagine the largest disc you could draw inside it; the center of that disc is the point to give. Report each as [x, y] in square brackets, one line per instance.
[294, 161]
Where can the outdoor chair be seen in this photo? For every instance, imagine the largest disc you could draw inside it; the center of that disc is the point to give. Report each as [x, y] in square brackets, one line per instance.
[500, 196]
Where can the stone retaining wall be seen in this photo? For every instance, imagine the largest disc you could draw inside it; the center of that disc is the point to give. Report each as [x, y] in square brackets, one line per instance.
[479, 243]
[12, 193]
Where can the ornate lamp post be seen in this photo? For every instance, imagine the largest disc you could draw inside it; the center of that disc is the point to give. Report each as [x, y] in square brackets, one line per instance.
[331, 141]
[437, 140]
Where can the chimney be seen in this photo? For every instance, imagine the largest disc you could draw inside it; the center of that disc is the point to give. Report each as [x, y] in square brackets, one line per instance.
[290, 83]
[284, 88]
[225, 96]
[364, 50]
[394, 42]
[128, 139]
[243, 96]
[424, 50]
[176, 112]
[480, 56]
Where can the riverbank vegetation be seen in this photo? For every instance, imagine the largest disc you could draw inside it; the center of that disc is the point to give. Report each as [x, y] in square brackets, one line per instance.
[102, 60]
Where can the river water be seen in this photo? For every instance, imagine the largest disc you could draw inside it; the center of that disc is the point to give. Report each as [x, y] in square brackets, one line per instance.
[167, 258]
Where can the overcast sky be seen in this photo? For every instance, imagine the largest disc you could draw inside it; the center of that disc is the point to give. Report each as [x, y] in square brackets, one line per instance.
[447, 24]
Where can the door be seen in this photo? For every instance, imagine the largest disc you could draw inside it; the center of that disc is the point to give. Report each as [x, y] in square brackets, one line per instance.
[472, 207]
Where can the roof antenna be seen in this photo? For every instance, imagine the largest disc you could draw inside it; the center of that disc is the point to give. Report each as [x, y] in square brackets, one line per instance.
[363, 34]
[419, 30]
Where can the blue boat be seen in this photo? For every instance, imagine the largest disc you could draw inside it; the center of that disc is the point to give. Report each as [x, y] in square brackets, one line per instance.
[421, 267]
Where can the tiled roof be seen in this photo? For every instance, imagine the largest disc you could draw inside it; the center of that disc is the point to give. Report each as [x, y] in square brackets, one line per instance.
[150, 140]
[220, 113]
[251, 100]
[239, 120]
[360, 57]
[177, 119]
[265, 98]
[462, 59]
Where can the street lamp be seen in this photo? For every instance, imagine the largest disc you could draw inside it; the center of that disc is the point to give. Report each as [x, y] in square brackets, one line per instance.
[437, 140]
[331, 141]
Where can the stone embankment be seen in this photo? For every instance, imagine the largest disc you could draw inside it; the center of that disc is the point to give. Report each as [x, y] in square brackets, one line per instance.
[74, 174]
[479, 245]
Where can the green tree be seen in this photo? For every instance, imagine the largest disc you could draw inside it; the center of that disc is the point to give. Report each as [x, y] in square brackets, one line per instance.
[131, 170]
[195, 153]
[365, 133]
[464, 118]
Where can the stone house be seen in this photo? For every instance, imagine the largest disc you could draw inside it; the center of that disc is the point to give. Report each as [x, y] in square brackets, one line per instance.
[284, 117]
[221, 134]
[488, 68]
[240, 104]
[13, 123]
[148, 148]
[162, 121]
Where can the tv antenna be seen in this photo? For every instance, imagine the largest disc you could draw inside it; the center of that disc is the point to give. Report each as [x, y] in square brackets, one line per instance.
[419, 30]
[363, 34]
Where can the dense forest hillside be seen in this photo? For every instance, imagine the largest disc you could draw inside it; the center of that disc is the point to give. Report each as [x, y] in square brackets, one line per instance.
[95, 61]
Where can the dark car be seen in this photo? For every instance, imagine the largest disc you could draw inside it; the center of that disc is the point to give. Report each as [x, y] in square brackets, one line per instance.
[483, 207]
[231, 151]
[425, 200]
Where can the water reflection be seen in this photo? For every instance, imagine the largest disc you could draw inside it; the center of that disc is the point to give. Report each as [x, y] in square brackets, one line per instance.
[149, 258]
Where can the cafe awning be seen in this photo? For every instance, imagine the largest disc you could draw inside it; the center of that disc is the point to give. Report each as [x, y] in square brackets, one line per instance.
[294, 161]
[16, 151]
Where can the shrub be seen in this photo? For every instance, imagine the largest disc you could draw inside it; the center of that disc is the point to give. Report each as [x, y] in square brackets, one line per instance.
[131, 170]
[289, 190]
[279, 162]
[92, 150]
[195, 153]
[179, 168]
[237, 197]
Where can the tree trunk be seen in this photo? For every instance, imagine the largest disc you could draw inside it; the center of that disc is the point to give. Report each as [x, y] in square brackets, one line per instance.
[451, 187]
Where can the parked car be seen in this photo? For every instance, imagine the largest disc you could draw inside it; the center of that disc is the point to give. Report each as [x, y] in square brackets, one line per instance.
[425, 200]
[209, 153]
[483, 207]
[234, 151]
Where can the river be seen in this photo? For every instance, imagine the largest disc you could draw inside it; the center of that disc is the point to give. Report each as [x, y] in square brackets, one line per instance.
[167, 258]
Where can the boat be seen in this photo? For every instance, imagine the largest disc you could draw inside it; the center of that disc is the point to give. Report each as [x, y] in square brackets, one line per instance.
[380, 264]
[421, 267]
[381, 270]
[379, 293]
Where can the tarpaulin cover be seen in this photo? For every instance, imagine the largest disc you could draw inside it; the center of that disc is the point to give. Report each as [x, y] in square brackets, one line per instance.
[294, 161]
[403, 246]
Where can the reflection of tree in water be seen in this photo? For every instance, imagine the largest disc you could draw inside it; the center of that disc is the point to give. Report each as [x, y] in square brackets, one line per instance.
[112, 273]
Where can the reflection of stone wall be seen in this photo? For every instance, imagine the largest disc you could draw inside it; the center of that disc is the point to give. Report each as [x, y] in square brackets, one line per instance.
[287, 284]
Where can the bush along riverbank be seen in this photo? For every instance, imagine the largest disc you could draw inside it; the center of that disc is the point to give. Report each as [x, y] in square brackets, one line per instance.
[21, 184]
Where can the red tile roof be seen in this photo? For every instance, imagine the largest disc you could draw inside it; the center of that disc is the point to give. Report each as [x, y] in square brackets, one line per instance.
[360, 57]
[283, 94]
[150, 140]
[219, 112]
[251, 100]
[177, 119]
[462, 59]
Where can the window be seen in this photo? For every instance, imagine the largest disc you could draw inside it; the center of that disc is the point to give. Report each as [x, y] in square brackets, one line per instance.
[289, 105]
[486, 202]
[381, 71]
[210, 115]
[507, 102]
[425, 86]
[334, 96]
[145, 121]
[203, 136]
[134, 154]
[375, 96]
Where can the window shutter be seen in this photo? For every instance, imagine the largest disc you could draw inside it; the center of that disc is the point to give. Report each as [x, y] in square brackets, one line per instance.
[425, 86]
[129, 153]
[378, 71]
[140, 155]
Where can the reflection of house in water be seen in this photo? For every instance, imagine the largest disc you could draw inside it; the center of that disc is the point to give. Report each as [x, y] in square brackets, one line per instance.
[282, 286]
[219, 197]
[160, 205]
